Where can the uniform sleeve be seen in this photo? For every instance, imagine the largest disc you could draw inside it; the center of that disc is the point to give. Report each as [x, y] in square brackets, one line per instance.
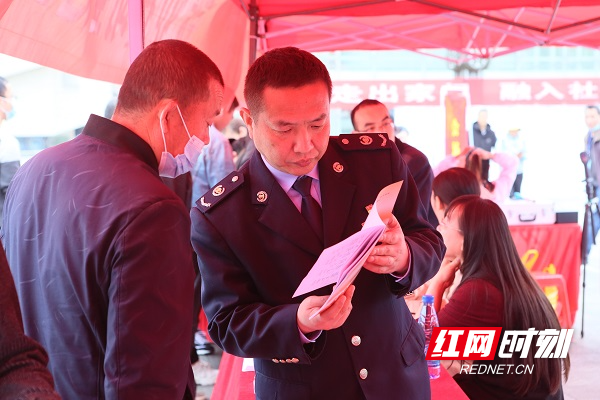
[23, 372]
[151, 306]
[424, 181]
[425, 242]
[419, 168]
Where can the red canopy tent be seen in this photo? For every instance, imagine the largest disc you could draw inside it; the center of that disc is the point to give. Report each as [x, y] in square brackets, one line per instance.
[470, 29]
[91, 38]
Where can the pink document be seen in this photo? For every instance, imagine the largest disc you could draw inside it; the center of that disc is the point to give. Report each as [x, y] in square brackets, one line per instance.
[342, 262]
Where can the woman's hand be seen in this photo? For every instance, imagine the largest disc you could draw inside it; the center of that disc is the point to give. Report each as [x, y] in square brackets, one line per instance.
[443, 279]
[445, 276]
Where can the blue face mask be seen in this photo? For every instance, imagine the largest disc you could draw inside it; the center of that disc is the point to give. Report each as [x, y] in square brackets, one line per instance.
[172, 167]
[10, 113]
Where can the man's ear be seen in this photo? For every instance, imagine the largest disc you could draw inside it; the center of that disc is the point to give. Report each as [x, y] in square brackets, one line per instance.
[248, 120]
[167, 112]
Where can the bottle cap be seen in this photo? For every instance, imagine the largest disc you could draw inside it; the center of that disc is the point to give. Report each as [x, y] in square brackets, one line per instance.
[428, 299]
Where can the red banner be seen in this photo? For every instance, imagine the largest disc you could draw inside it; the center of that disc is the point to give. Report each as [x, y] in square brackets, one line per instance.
[457, 136]
[346, 94]
[552, 254]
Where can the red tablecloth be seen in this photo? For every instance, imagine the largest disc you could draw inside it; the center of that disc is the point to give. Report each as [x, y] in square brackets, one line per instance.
[233, 384]
[553, 249]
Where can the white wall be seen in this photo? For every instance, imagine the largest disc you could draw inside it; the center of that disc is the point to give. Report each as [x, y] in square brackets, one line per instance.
[50, 102]
[553, 171]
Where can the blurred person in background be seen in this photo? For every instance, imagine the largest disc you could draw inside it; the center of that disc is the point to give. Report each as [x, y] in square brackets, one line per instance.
[10, 151]
[513, 143]
[592, 166]
[592, 143]
[236, 129]
[372, 116]
[216, 160]
[484, 138]
[243, 146]
[472, 158]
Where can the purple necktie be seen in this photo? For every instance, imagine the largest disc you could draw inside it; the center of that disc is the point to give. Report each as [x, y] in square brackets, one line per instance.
[311, 210]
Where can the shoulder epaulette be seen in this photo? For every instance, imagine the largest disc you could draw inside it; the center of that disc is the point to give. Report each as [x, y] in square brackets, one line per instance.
[363, 141]
[220, 191]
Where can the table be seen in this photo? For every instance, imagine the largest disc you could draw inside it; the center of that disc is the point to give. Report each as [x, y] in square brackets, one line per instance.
[553, 249]
[233, 384]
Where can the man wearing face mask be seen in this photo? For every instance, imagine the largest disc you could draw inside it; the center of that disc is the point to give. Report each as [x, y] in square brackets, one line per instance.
[99, 246]
[10, 151]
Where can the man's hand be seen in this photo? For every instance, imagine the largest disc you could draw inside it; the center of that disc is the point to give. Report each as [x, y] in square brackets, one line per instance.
[329, 319]
[391, 254]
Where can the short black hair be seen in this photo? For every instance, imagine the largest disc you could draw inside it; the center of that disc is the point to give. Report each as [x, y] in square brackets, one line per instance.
[364, 103]
[593, 107]
[285, 67]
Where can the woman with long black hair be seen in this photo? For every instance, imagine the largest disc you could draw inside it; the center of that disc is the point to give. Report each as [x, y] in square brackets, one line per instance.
[495, 290]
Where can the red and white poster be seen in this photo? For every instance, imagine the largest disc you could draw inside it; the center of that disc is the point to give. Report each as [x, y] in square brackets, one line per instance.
[346, 94]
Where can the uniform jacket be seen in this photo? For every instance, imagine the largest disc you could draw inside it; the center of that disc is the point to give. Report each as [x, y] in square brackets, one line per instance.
[255, 247]
[99, 250]
[419, 168]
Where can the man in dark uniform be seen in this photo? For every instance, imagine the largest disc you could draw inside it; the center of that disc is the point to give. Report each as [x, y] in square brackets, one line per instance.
[255, 244]
[372, 116]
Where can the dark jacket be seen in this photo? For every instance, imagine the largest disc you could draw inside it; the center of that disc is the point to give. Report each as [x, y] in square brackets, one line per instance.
[420, 169]
[255, 247]
[23, 373]
[99, 249]
[484, 140]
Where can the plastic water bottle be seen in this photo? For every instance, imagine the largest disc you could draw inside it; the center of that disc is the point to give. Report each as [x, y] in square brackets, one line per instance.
[428, 320]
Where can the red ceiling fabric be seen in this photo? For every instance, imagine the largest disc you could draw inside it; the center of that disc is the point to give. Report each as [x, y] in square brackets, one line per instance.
[90, 38]
[470, 29]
